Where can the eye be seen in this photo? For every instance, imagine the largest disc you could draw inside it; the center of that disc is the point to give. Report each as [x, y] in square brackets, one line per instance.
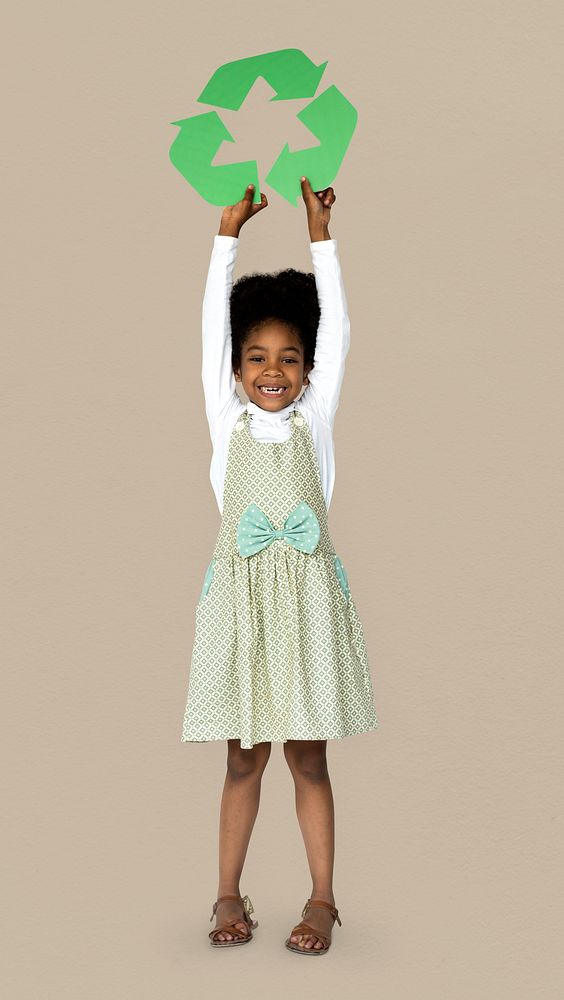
[293, 361]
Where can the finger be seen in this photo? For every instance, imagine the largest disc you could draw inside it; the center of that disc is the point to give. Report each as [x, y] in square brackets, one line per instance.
[249, 193]
[263, 203]
[325, 195]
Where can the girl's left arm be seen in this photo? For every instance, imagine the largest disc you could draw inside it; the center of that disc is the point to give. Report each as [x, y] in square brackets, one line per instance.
[333, 333]
[217, 375]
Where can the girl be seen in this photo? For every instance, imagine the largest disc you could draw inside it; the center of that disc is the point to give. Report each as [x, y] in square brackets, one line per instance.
[279, 651]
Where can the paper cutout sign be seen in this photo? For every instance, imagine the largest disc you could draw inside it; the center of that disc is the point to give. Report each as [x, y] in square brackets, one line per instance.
[330, 117]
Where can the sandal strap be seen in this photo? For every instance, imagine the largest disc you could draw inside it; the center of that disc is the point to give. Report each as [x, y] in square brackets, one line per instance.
[230, 929]
[322, 902]
[245, 900]
[304, 929]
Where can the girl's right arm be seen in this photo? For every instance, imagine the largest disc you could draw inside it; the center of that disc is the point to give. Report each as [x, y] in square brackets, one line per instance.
[217, 374]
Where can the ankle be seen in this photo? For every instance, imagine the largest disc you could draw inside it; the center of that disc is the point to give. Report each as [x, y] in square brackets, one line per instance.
[228, 891]
[323, 893]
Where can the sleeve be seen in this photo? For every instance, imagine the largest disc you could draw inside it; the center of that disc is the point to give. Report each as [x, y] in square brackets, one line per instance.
[217, 376]
[333, 333]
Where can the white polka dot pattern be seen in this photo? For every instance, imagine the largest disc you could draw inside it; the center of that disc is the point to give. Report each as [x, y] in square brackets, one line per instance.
[279, 650]
[254, 531]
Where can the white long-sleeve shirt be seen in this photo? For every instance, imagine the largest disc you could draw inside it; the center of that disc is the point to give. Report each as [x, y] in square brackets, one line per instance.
[317, 402]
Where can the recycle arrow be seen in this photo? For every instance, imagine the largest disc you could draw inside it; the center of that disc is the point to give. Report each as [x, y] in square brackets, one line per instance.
[330, 117]
[288, 71]
[193, 151]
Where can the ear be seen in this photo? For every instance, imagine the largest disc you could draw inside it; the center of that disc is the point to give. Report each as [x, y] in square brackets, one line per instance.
[307, 369]
[237, 374]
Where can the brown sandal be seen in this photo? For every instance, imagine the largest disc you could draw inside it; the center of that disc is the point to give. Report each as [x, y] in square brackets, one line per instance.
[240, 936]
[307, 929]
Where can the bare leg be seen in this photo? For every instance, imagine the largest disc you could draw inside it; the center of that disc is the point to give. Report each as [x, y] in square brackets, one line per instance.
[307, 761]
[239, 808]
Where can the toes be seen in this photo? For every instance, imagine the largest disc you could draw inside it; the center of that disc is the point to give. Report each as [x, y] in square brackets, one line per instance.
[309, 943]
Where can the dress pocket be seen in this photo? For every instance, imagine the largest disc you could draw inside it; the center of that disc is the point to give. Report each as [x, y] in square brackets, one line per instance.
[342, 577]
[207, 581]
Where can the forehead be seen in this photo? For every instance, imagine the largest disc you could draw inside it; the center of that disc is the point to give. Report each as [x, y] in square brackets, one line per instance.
[273, 335]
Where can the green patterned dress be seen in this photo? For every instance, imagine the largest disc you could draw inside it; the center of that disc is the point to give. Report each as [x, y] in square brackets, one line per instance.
[279, 651]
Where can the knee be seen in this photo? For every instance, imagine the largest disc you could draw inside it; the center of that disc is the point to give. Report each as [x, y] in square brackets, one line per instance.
[247, 763]
[307, 762]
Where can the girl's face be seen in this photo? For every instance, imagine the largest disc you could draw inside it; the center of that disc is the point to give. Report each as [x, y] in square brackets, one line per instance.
[273, 356]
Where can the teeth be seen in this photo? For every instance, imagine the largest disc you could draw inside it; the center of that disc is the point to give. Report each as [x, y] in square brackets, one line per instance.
[266, 388]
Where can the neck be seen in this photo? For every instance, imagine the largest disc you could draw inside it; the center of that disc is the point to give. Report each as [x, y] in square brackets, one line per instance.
[282, 414]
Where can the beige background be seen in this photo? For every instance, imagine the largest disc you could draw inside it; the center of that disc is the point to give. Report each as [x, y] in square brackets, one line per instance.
[449, 222]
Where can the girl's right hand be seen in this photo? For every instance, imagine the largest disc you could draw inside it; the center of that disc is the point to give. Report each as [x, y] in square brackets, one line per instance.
[235, 216]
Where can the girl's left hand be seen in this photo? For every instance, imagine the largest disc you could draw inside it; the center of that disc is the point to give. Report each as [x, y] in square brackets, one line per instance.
[318, 205]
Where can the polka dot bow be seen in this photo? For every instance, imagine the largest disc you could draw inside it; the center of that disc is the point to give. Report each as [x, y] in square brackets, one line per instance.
[255, 531]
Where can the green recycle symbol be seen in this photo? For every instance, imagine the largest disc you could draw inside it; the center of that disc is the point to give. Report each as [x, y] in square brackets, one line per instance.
[330, 117]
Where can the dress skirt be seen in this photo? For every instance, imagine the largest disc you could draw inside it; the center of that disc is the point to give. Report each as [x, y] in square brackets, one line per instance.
[279, 650]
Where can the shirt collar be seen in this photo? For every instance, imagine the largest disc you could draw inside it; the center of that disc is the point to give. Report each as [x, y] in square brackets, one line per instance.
[269, 416]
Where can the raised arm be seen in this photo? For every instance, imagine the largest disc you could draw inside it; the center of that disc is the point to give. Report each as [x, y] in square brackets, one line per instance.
[217, 376]
[333, 332]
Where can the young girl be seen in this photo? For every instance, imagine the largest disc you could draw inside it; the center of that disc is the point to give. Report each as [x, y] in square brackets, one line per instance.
[279, 651]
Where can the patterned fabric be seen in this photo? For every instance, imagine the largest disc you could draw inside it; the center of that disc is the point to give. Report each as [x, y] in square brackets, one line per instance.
[279, 650]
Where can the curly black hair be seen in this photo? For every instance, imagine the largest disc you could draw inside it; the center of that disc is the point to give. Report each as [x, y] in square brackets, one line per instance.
[288, 296]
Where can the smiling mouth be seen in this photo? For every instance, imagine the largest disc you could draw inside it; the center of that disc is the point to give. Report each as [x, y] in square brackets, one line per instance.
[272, 390]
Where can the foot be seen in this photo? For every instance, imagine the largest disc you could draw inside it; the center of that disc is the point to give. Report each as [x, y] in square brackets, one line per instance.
[227, 912]
[317, 916]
